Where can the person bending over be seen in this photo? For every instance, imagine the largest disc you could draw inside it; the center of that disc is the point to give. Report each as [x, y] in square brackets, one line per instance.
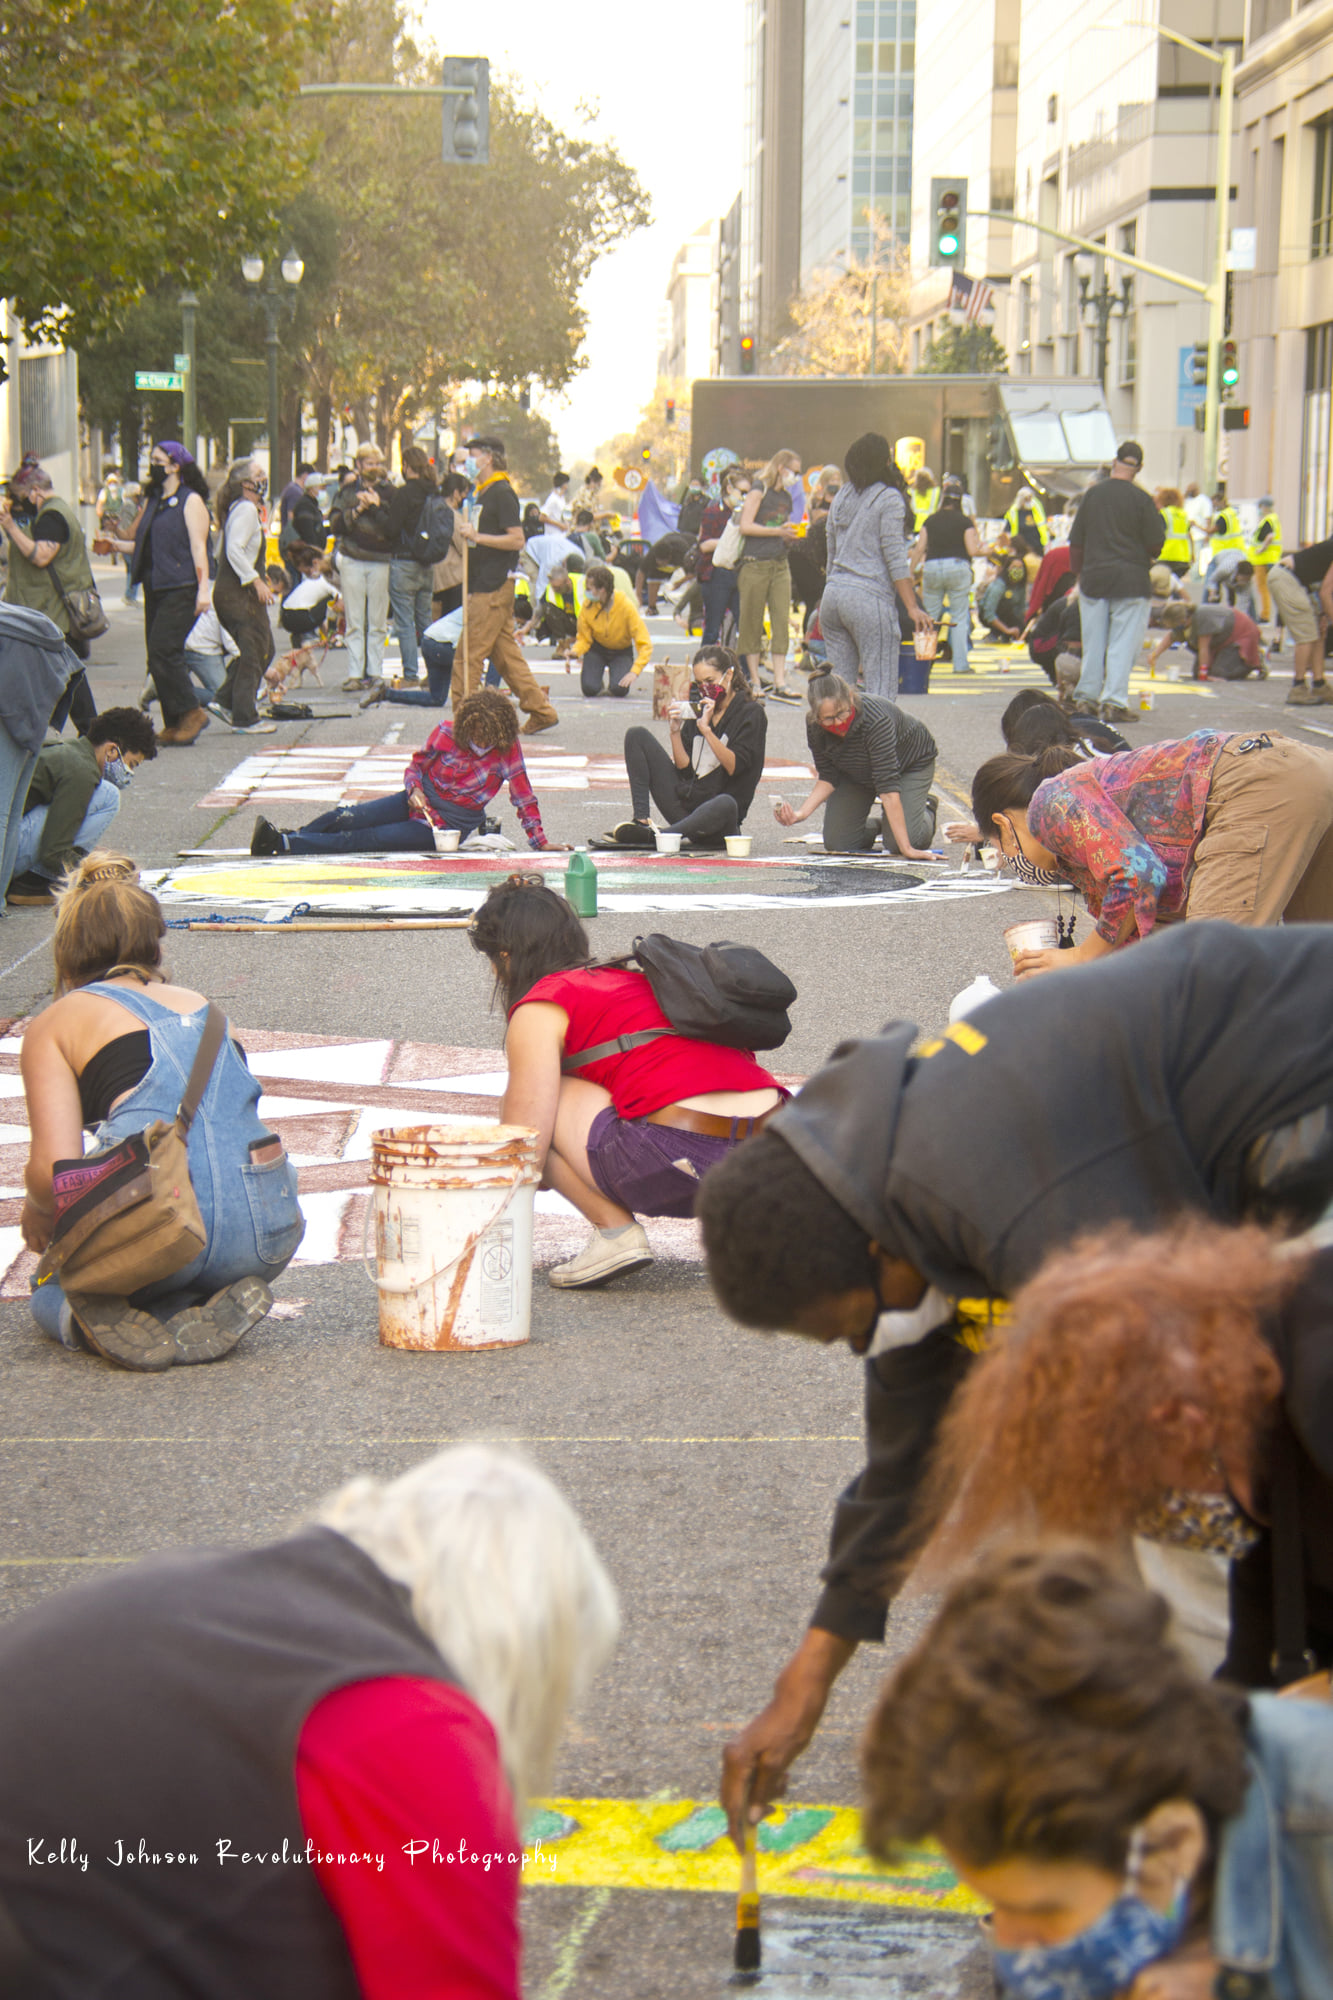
[448, 784]
[899, 1201]
[87, 1067]
[1215, 825]
[867, 751]
[707, 783]
[347, 1725]
[73, 797]
[623, 1132]
[1135, 1830]
[612, 640]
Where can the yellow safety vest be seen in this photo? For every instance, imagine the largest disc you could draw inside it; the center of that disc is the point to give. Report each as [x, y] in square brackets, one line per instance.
[1231, 536]
[921, 509]
[1038, 513]
[552, 595]
[1270, 551]
[1176, 547]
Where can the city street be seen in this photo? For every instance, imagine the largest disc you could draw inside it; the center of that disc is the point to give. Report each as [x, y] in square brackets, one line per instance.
[704, 1458]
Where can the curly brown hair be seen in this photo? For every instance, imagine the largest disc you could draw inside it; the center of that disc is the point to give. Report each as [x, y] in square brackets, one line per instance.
[1086, 1411]
[1044, 1715]
[487, 720]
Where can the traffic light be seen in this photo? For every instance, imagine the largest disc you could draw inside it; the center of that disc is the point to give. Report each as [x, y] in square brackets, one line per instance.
[1236, 417]
[670, 410]
[525, 397]
[1199, 364]
[647, 453]
[467, 119]
[747, 354]
[1230, 366]
[948, 243]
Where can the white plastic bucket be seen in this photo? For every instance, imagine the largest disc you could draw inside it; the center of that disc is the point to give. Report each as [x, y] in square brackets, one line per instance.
[452, 1213]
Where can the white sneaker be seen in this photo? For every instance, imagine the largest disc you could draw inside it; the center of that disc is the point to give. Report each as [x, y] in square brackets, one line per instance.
[602, 1258]
[260, 728]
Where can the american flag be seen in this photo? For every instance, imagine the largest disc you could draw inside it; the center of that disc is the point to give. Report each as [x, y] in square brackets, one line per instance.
[969, 296]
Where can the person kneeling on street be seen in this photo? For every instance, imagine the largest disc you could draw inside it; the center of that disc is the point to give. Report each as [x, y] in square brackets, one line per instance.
[865, 750]
[612, 640]
[635, 1130]
[85, 1067]
[447, 784]
[72, 799]
[707, 783]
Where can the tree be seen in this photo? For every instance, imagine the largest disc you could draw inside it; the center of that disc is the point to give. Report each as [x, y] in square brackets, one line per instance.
[667, 444]
[530, 443]
[965, 350]
[837, 317]
[136, 145]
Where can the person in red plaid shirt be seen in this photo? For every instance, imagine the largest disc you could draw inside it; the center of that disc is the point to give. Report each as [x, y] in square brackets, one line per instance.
[449, 784]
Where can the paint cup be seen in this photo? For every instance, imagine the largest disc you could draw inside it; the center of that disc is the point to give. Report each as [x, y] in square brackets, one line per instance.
[1040, 934]
[1145, 703]
[668, 843]
[446, 839]
[990, 859]
[738, 845]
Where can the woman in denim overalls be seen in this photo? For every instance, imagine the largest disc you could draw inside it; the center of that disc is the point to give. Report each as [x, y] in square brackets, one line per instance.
[108, 960]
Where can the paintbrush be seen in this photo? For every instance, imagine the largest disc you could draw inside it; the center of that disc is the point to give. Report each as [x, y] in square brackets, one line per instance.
[748, 1952]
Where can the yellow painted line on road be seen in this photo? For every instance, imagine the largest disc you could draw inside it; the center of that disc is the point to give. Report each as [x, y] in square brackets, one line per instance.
[667, 1846]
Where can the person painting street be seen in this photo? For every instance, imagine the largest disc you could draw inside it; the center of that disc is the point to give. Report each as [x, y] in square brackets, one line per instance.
[1301, 586]
[867, 753]
[1117, 535]
[911, 1187]
[634, 1131]
[706, 784]
[1134, 1830]
[611, 641]
[1215, 825]
[869, 571]
[493, 541]
[447, 784]
[73, 796]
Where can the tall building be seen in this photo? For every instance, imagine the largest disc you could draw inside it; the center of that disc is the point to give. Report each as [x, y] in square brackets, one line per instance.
[1283, 310]
[685, 346]
[1116, 141]
[830, 99]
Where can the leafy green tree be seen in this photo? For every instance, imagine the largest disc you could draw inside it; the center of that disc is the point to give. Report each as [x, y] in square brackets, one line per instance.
[965, 350]
[133, 145]
[531, 446]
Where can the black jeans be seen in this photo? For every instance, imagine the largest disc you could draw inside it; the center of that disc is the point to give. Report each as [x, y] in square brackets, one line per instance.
[599, 664]
[240, 610]
[653, 774]
[721, 593]
[167, 618]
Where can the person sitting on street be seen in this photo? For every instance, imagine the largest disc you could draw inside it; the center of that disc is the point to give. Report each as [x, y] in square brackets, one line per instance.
[359, 1715]
[85, 1068]
[635, 1130]
[1005, 614]
[867, 752]
[612, 640]
[1133, 1828]
[707, 783]
[447, 784]
[73, 797]
[1227, 644]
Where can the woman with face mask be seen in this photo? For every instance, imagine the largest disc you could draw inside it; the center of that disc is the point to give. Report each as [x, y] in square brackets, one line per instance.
[1214, 825]
[870, 758]
[707, 783]
[1135, 1830]
[242, 597]
[171, 558]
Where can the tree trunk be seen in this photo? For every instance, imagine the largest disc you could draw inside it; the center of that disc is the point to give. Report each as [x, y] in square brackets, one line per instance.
[324, 427]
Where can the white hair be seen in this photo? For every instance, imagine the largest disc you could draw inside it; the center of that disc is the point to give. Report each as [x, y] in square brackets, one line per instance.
[504, 1581]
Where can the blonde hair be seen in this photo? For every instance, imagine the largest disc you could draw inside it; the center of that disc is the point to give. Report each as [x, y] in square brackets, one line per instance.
[104, 918]
[505, 1583]
[781, 461]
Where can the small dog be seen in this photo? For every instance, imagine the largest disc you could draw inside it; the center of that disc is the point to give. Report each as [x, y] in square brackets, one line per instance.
[294, 667]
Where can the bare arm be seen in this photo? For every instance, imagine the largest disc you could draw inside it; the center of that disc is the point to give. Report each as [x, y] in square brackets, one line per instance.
[534, 1046]
[793, 815]
[754, 1766]
[55, 1122]
[196, 524]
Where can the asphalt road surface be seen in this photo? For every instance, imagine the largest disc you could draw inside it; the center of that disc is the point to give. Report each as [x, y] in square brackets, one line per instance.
[703, 1458]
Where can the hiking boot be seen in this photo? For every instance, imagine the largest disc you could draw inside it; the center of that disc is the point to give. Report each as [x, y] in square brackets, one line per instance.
[1302, 696]
[356, 684]
[267, 840]
[375, 692]
[31, 892]
[536, 723]
[184, 732]
[130, 1339]
[603, 1258]
[207, 1332]
[1112, 712]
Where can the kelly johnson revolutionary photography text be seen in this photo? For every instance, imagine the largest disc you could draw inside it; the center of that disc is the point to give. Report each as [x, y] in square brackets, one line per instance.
[67, 1853]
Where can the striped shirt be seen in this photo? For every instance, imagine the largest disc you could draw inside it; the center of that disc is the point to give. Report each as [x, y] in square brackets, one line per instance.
[882, 743]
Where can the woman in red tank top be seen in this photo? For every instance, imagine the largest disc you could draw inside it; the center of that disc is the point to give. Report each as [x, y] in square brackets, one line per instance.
[635, 1130]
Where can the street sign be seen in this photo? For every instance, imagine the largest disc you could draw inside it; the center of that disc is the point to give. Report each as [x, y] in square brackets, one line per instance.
[1189, 394]
[182, 361]
[148, 378]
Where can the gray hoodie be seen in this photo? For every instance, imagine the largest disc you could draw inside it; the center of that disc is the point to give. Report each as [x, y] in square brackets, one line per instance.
[866, 543]
[35, 664]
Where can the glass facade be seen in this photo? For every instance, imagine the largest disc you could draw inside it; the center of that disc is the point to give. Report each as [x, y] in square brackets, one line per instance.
[884, 88]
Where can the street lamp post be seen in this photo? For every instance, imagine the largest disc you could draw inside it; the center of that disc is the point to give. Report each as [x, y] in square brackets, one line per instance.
[1104, 302]
[189, 302]
[293, 270]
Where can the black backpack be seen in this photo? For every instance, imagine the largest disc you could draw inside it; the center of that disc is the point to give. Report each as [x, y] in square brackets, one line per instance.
[432, 538]
[727, 993]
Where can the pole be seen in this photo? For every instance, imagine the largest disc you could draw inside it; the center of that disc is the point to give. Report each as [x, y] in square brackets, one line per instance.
[190, 427]
[275, 479]
[874, 321]
[1217, 291]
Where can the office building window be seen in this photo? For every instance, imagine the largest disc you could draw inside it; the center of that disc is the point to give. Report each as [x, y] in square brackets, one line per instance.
[1317, 435]
[1321, 234]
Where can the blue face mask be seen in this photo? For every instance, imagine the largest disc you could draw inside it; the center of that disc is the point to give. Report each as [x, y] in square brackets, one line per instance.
[470, 466]
[1103, 1960]
[117, 773]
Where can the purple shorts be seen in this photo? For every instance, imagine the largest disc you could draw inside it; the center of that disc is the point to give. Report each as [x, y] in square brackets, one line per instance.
[650, 1169]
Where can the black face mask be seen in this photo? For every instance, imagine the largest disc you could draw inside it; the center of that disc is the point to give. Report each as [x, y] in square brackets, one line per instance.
[157, 478]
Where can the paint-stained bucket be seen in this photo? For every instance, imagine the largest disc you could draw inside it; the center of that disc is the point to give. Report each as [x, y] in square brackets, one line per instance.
[453, 1233]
